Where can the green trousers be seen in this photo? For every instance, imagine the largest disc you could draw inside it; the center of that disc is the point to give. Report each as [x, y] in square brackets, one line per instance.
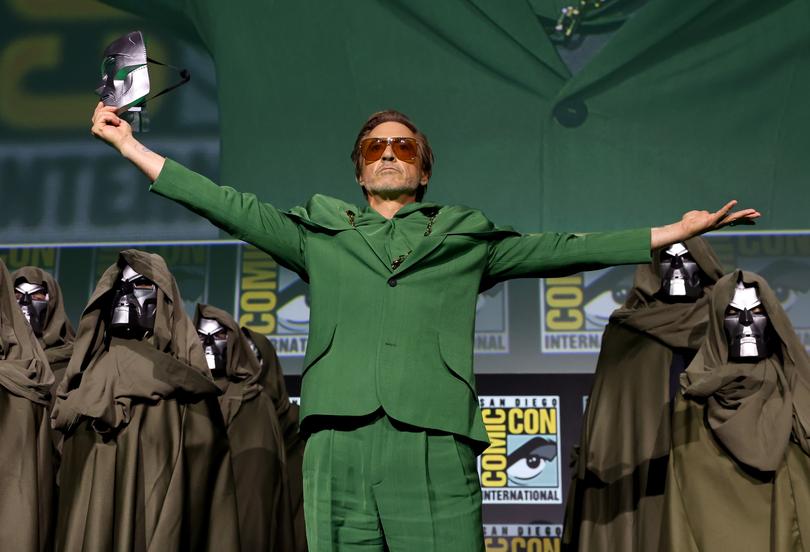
[374, 484]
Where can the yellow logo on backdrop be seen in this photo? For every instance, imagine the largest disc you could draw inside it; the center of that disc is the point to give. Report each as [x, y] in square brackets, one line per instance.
[258, 286]
[521, 464]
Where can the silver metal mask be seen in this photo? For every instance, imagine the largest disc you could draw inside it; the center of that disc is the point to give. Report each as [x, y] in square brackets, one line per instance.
[134, 305]
[33, 301]
[746, 325]
[125, 79]
[680, 274]
[214, 339]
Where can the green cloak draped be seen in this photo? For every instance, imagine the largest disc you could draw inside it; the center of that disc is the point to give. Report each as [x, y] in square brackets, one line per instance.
[257, 444]
[739, 473]
[294, 442]
[26, 452]
[617, 490]
[145, 463]
[57, 333]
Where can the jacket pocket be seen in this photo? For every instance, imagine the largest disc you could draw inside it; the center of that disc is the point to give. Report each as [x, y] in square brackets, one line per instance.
[318, 346]
[457, 356]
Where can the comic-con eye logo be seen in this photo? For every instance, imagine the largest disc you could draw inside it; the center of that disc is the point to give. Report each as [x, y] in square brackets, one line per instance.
[492, 321]
[526, 464]
[273, 301]
[575, 310]
[521, 464]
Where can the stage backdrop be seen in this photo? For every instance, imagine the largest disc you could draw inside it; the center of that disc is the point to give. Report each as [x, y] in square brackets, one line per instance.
[688, 105]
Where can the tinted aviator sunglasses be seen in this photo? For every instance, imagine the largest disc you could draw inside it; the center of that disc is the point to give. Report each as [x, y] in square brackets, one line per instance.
[406, 149]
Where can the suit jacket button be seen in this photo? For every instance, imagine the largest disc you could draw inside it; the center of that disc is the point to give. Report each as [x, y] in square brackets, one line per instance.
[392, 282]
[571, 113]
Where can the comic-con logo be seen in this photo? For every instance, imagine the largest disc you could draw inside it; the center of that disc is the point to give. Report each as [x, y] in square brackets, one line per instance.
[273, 301]
[575, 310]
[521, 465]
[492, 321]
[523, 538]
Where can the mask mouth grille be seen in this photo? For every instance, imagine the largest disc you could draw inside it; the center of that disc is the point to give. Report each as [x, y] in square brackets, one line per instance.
[748, 347]
[677, 287]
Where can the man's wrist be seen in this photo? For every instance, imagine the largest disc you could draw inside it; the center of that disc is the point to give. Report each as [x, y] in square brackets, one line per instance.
[129, 148]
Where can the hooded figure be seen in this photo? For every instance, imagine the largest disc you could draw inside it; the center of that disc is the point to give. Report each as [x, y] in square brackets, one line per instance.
[145, 464]
[287, 413]
[619, 474]
[257, 444]
[57, 333]
[26, 453]
[739, 475]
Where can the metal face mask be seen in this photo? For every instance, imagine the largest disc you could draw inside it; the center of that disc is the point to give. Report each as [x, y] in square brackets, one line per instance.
[124, 76]
[214, 338]
[746, 324]
[125, 79]
[134, 305]
[680, 274]
[33, 301]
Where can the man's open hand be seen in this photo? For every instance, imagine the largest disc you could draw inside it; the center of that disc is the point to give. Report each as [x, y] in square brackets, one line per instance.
[694, 223]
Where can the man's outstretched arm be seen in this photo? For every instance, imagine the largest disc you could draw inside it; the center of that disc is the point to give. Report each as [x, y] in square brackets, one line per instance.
[553, 254]
[240, 214]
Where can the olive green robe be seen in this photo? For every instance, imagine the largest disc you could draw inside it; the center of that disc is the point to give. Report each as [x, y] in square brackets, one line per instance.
[146, 464]
[256, 442]
[616, 496]
[26, 450]
[294, 441]
[739, 473]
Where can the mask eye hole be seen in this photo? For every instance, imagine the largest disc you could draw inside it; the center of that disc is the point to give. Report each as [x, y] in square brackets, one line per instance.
[39, 296]
[758, 310]
[731, 311]
[221, 335]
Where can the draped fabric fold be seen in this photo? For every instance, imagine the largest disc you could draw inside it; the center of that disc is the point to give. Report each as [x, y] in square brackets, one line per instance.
[741, 454]
[753, 408]
[146, 463]
[287, 412]
[616, 495]
[256, 444]
[26, 452]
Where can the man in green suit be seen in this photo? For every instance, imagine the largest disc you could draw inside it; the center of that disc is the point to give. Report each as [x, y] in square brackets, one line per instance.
[388, 392]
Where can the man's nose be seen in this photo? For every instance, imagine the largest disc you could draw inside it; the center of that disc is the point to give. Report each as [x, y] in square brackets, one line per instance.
[388, 154]
[746, 318]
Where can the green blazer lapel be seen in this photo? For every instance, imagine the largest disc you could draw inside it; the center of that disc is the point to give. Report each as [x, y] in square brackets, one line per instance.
[381, 254]
[518, 20]
[653, 23]
[425, 247]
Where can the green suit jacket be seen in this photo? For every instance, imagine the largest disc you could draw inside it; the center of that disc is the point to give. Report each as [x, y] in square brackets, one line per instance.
[400, 339]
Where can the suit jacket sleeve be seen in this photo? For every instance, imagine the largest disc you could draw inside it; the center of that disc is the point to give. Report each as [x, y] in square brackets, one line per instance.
[241, 215]
[552, 254]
